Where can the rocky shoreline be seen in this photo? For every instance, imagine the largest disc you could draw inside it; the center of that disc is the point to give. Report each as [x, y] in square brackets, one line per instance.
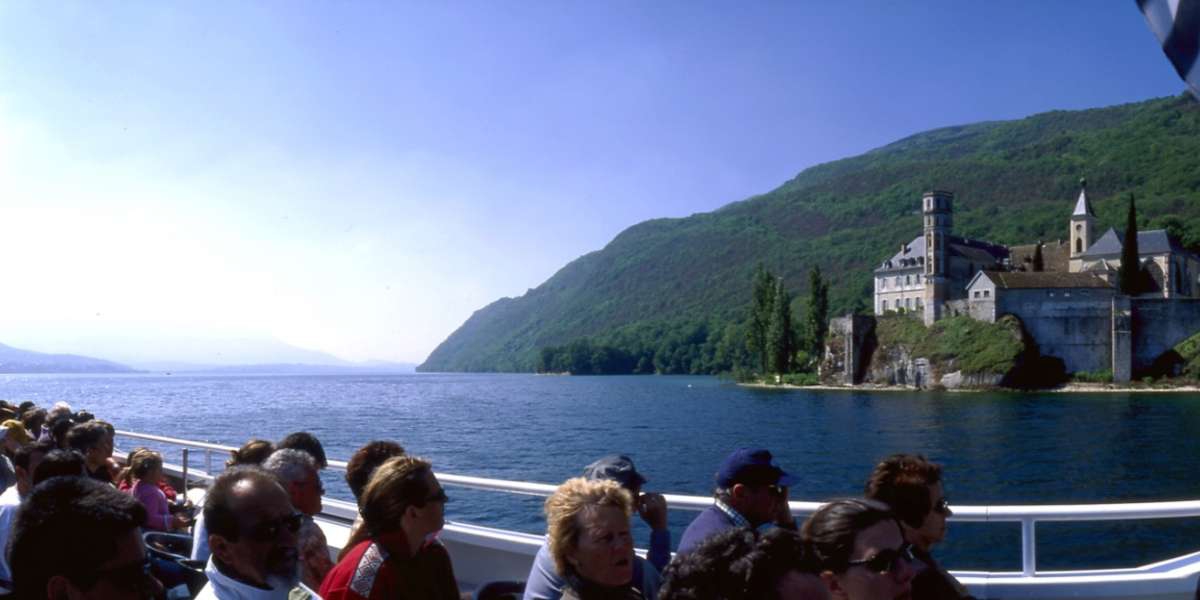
[1075, 387]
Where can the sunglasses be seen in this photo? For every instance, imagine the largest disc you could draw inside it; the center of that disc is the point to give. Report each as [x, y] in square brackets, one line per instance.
[268, 531]
[130, 576]
[885, 561]
[440, 496]
[942, 506]
[778, 491]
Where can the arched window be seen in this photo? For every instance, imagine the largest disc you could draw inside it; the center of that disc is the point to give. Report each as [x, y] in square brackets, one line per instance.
[885, 306]
[908, 280]
[1078, 245]
[908, 303]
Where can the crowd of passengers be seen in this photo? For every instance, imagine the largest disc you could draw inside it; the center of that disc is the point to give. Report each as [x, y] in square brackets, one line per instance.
[74, 524]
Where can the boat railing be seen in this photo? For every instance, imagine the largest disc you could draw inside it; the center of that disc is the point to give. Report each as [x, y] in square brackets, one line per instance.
[1028, 516]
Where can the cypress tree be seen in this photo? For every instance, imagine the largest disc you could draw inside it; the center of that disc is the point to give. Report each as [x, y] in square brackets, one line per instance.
[760, 317]
[1039, 263]
[817, 321]
[779, 331]
[1130, 271]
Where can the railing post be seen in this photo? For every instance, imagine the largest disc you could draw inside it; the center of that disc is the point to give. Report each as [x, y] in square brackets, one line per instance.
[185, 471]
[208, 462]
[1028, 548]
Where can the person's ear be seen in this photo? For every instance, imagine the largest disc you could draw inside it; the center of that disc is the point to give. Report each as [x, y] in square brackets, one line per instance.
[738, 490]
[220, 547]
[58, 588]
[833, 584]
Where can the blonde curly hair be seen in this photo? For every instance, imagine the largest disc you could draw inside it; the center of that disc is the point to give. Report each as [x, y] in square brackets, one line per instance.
[573, 498]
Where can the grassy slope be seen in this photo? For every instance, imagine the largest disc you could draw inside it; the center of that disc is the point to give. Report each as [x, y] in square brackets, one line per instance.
[1015, 183]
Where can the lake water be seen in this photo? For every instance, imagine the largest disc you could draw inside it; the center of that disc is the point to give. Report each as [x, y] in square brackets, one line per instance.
[995, 448]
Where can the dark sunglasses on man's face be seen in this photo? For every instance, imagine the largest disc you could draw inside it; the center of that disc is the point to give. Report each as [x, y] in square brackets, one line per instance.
[885, 561]
[778, 491]
[942, 506]
[268, 531]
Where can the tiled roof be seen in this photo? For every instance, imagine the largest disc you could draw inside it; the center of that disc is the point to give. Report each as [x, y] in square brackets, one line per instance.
[1155, 241]
[977, 250]
[1083, 208]
[913, 255]
[1056, 256]
[1014, 280]
[1100, 266]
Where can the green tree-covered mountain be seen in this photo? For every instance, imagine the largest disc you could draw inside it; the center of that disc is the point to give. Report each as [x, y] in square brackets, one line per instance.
[1015, 182]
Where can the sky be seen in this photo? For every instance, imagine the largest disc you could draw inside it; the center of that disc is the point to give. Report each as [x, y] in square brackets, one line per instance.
[357, 178]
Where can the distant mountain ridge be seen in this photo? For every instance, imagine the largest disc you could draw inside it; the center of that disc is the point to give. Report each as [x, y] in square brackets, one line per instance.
[15, 360]
[1015, 183]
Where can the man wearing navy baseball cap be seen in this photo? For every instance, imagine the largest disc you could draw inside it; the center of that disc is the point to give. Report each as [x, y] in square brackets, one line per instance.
[751, 490]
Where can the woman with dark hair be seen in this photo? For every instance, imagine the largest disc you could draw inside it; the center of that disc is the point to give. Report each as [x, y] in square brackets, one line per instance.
[395, 553]
[253, 452]
[861, 550]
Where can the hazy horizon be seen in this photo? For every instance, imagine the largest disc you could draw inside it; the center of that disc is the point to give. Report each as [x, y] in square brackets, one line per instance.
[358, 179]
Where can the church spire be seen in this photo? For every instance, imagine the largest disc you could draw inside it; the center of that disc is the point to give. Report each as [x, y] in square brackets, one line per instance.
[1083, 208]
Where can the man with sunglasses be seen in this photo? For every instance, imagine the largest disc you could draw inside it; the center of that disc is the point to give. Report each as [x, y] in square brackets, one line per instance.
[751, 491]
[78, 538]
[253, 533]
[912, 486]
[296, 471]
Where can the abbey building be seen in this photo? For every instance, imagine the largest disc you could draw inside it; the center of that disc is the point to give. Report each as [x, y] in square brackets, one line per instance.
[938, 274]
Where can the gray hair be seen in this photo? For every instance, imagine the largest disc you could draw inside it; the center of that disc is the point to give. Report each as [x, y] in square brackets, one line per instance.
[289, 465]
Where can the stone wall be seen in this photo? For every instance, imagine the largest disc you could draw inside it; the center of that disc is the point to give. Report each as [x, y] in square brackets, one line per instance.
[1074, 325]
[1159, 324]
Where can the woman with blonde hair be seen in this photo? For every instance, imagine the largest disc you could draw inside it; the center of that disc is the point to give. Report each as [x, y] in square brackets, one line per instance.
[587, 526]
[395, 553]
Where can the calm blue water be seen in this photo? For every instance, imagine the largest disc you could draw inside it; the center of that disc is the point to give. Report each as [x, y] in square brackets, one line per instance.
[996, 448]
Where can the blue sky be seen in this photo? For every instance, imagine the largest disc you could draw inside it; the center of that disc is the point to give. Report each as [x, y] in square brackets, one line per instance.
[359, 177]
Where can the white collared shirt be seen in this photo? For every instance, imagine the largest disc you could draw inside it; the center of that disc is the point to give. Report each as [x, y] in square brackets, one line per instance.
[223, 587]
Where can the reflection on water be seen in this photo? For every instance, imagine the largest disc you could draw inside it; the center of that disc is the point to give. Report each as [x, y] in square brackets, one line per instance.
[996, 448]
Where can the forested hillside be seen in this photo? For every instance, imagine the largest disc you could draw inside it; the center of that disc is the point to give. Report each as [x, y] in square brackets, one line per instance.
[671, 293]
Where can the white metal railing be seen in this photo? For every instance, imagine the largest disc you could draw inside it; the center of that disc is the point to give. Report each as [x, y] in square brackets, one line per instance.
[1028, 516]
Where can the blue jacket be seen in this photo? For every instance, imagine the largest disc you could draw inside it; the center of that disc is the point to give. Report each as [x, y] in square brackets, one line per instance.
[710, 522]
[544, 583]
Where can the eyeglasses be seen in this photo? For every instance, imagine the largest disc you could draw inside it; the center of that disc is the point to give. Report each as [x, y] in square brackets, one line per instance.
[129, 576]
[320, 485]
[268, 531]
[942, 506]
[886, 561]
[778, 491]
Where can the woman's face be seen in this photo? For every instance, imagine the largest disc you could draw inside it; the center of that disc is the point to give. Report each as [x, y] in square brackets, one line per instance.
[604, 551]
[863, 582]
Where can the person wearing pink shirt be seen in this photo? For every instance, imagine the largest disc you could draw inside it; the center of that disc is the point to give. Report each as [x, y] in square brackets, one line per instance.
[146, 468]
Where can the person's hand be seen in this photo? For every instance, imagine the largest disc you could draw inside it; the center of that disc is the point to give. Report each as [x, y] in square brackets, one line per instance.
[783, 512]
[652, 508]
[180, 522]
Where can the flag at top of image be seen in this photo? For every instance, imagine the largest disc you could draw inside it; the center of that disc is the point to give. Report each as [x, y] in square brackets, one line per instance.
[1176, 23]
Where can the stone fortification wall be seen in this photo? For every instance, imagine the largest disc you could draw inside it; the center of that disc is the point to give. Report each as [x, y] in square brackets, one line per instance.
[1074, 325]
[1159, 324]
[848, 349]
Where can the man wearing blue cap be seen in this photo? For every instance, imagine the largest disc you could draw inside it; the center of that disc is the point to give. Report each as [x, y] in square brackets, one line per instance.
[751, 490]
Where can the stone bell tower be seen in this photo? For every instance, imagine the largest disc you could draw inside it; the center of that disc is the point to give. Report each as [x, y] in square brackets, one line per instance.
[1083, 226]
[937, 207]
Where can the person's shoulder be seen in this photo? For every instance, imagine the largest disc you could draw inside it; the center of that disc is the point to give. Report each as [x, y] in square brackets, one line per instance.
[206, 593]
